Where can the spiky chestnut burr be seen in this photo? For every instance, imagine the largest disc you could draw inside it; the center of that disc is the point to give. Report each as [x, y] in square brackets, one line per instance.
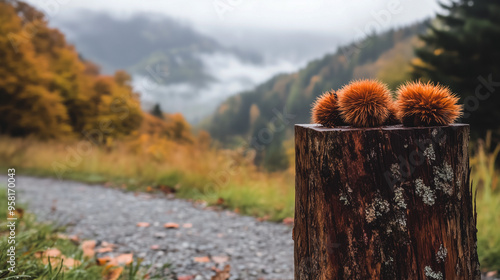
[393, 117]
[325, 110]
[426, 104]
[365, 103]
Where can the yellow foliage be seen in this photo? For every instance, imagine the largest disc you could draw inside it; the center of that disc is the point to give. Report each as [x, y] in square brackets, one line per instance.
[204, 140]
[47, 91]
[418, 62]
[254, 113]
[438, 51]
[223, 108]
[392, 66]
[309, 89]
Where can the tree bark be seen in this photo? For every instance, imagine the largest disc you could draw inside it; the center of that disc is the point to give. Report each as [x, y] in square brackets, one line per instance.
[384, 203]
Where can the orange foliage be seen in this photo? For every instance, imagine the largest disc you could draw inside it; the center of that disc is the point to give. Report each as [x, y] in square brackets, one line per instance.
[48, 91]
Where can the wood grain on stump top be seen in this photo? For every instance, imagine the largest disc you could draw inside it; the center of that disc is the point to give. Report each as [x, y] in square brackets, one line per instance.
[384, 203]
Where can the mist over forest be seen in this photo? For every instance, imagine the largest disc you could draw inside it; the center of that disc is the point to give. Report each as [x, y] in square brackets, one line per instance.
[181, 68]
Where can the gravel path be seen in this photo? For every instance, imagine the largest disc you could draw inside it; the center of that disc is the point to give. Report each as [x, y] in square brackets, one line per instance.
[255, 250]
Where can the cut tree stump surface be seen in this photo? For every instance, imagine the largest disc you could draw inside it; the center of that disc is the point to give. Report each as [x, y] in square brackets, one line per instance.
[384, 203]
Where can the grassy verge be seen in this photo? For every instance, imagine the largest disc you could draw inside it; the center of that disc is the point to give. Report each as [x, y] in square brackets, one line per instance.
[225, 177]
[486, 180]
[33, 238]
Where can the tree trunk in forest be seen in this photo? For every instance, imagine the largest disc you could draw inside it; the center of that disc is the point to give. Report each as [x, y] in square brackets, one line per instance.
[384, 203]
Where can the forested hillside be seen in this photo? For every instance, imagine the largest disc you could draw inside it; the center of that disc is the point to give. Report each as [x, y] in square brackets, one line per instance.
[142, 42]
[252, 115]
[48, 91]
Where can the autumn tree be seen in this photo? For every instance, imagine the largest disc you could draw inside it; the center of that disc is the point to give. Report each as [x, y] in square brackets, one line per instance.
[49, 91]
[28, 104]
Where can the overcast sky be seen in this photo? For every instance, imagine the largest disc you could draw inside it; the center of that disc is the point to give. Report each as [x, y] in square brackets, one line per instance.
[287, 33]
[341, 18]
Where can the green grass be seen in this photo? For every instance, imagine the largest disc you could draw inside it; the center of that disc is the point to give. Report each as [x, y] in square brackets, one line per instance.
[485, 178]
[33, 237]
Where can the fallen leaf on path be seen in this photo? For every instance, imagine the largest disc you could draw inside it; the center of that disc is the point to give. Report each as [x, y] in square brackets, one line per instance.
[104, 250]
[288, 221]
[262, 219]
[220, 259]
[185, 277]
[107, 244]
[171, 225]
[124, 259]
[51, 253]
[88, 247]
[113, 273]
[224, 274]
[155, 247]
[201, 203]
[220, 201]
[74, 238]
[187, 225]
[17, 213]
[62, 236]
[143, 224]
[103, 260]
[166, 189]
[70, 262]
[204, 259]
[56, 257]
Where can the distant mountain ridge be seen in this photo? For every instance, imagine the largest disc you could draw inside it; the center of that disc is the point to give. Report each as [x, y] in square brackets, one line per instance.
[171, 63]
[144, 41]
[250, 117]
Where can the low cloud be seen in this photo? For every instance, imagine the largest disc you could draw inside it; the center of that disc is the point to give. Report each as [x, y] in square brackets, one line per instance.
[232, 76]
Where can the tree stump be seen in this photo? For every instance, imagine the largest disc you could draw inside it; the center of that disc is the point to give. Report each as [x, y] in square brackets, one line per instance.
[384, 203]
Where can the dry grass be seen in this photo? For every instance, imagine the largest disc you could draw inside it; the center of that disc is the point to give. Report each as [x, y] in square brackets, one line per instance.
[194, 170]
[485, 178]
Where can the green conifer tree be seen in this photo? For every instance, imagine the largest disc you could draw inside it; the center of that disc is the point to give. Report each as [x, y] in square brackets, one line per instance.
[157, 112]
